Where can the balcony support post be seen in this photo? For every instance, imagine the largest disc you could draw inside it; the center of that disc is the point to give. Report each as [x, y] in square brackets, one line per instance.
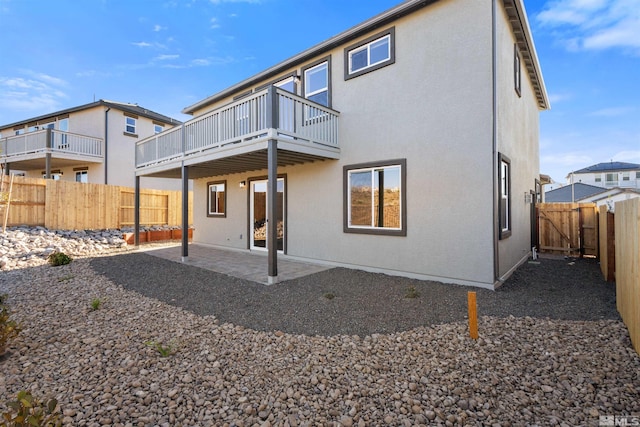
[136, 212]
[185, 212]
[272, 186]
[272, 210]
[47, 156]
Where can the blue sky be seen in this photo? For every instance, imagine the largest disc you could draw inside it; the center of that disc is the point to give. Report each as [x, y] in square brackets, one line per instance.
[168, 54]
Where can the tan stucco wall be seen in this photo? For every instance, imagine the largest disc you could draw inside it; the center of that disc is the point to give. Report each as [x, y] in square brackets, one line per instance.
[432, 107]
[518, 139]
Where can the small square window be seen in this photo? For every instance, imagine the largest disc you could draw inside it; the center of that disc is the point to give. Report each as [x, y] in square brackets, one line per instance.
[370, 54]
[157, 128]
[82, 176]
[130, 125]
[216, 199]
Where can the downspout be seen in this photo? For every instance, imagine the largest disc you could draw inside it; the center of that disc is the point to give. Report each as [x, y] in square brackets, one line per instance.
[106, 138]
[494, 160]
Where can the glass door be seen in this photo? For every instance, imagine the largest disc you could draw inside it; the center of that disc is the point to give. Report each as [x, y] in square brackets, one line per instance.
[258, 201]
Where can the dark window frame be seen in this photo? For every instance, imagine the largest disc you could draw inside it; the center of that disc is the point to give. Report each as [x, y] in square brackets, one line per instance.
[303, 81]
[391, 32]
[504, 231]
[402, 231]
[517, 70]
[226, 190]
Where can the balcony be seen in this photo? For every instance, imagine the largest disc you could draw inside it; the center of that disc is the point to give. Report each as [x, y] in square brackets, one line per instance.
[32, 150]
[234, 138]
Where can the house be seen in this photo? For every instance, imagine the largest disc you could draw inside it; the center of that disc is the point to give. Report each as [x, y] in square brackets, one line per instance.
[89, 143]
[406, 145]
[585, 193]
[572, 193]
[608, 175]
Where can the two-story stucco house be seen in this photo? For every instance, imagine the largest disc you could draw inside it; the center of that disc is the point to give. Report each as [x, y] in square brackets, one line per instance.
[90, 143]
[407, 145]
[608, 175]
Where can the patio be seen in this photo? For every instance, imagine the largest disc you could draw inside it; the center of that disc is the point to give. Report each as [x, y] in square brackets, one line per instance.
[240, 264]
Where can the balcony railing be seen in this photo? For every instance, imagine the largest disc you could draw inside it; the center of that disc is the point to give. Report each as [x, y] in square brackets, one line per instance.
[50, 141]
[245, 120]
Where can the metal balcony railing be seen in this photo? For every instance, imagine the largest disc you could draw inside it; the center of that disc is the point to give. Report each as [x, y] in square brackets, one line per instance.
[50, 141]
[244, 121]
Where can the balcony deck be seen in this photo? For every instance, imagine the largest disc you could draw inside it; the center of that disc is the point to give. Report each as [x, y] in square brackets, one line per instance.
[29, 151]
[234, 138]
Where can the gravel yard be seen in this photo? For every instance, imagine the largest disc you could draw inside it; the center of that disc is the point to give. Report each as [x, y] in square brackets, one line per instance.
[552, 349]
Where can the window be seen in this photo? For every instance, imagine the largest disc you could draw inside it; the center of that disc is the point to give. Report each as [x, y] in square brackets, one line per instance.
[625, 176]
[504, 180]
[517, 70]
[375, 199]
[637, 175]
[216, 199]
[157, 128]
[611, 179]
[598, 177]
[316, 83]
[370, 54]
[130, 125]
[82, 176]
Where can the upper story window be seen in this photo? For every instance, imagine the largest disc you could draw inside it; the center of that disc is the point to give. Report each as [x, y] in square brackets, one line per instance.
[598, 177]
[130, 125]
[370, 54]
[157, 128]
[611, 178]
[63, 125]
[517, 70]
[316, 82]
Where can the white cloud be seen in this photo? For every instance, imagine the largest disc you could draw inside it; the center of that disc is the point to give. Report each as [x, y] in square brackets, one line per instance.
[554, 98]
[236, 1]
[630, 156]
[612, 111]
[34, 93]
[214, 23]
[157, 28]
[141, 44]
[594, 24]
[166, 57]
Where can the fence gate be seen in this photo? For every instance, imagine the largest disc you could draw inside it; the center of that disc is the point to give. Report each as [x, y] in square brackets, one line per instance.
[568, 228]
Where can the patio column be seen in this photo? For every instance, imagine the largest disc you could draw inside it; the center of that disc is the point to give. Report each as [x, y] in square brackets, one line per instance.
[185, 212]
[47, 156]
[272, 211]
[136, 212]
[273, 121]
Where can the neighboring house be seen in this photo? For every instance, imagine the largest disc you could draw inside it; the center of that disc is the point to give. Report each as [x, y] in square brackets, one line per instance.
[90, 143]
[608, 175]
[407, 145]
[572, 193]
[584, 193]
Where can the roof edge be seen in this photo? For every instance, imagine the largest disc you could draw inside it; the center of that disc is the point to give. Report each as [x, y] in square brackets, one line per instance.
[354, 32]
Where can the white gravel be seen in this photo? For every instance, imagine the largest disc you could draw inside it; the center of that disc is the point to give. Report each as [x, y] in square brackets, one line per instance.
[99, 365]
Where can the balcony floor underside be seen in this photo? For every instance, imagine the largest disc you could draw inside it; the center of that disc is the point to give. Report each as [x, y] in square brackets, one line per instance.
[217, 164]
[58, 160]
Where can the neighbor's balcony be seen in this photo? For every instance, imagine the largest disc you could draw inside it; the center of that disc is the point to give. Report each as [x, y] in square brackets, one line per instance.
[243, 127]
[28, 150]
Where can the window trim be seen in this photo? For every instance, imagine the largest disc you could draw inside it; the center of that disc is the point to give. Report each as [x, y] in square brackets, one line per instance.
[504, 232]
[517, 70]
[303, 82]
[402, 231]
[217, 214]
[389, 32]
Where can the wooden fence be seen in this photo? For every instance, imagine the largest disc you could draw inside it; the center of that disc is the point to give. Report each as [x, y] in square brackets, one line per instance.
[66, 205]
[568, 228]
[607, 243]
[627, 262]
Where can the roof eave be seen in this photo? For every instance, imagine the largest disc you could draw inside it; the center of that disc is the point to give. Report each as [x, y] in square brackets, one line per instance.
[354, 32]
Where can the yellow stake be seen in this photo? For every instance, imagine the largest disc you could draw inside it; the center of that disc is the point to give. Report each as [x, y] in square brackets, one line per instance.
[473, 315]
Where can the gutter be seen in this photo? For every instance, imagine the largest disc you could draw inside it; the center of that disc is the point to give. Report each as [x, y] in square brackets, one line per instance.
[106, 139]
[494, 151]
